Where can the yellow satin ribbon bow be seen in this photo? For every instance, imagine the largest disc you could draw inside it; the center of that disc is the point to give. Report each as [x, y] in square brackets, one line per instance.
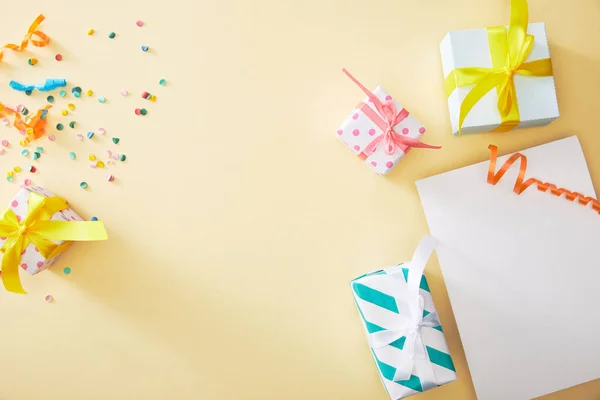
[508, 58]
[37, 228]
[29, 38]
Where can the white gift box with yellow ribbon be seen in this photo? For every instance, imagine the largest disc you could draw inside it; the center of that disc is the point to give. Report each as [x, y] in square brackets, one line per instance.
[402, 326]
[489, 53]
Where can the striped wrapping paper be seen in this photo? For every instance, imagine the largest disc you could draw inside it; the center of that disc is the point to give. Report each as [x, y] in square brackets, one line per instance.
[383, 299]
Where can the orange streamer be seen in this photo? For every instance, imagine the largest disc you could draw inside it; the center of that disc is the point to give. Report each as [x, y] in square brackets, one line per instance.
[521, 184]
[33, 31]
[34, 126]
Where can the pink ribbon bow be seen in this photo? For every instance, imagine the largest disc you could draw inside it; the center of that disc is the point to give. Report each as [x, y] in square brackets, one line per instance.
[386, 118]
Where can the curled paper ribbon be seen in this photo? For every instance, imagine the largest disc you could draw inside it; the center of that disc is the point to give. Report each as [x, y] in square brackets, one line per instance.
[508, 53]
[521, 184]
[410, 328]
[33, 126]
[50, 84]
[37, 228]
[386, 118]
[33, 31]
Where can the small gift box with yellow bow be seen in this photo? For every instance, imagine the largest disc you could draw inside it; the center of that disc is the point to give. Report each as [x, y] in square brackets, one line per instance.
[380, 131]
[498, 79]
[402, 326]
[35, 229]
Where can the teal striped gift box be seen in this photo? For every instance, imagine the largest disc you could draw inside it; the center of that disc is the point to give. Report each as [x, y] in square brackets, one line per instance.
[402, 326]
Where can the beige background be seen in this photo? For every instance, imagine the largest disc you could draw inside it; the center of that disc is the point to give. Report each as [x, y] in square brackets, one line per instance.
[239, 219]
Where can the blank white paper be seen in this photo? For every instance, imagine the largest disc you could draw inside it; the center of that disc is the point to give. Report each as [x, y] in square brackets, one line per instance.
[522, 272]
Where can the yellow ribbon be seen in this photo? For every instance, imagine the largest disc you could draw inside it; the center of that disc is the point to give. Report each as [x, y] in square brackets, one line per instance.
[37, 228]
[509, 53]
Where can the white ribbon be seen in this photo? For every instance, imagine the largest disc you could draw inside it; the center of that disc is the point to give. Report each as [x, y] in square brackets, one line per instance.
[409, 327]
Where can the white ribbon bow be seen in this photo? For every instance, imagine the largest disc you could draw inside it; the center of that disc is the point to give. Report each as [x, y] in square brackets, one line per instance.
[409, 327]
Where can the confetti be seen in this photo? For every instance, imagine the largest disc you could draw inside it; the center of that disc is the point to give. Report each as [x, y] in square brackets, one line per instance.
[50, 99]
[58, 57]
[83, 185]
[122, 157]
[72, 155]
[143, 111]
[162, 82]
[93, 164]
[101, 99]
[79, 136]
[49, 298]
[17, 169]
[71, 106]
[115, 156]
[76, 91]
[115, 140]
[10, 174]
[39, 149]
[9, 178]
[23, 143]
[28, 92]
[51, 138]
[124, 92]
[138, 111]
[145, 48]
[67, 270]
[89, 92]
[140, 23]
[90, 135]
[5, 121]
[100, 164]
[101, 131]
[90, 32]
[112, 35]
[32, 61]
[94, 218]
[72, 124]
[1, 151]
[92, 157]
[24, 111]
[63, 93]
[31, 168]
[36, 155]
[59, 126]
[64, 113]
[108, 153]
[27, 182]
[110, 178]
[25, 153]
[4, 143]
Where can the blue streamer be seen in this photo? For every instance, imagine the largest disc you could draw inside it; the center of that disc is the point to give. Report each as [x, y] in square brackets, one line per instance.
[50, 84]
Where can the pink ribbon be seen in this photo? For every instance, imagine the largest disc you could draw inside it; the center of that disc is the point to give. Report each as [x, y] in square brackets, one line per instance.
[386, 118]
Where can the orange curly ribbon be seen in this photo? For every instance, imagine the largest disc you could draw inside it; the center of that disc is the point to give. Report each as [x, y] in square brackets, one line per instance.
[33, 31]
[34, 126]
[521, 184]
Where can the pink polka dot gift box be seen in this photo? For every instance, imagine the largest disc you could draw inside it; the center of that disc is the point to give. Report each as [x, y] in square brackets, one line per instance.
[35, 229]
[380, 131]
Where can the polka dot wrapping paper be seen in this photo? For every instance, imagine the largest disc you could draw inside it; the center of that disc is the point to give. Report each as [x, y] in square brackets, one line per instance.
[31, 260]
[358, 130]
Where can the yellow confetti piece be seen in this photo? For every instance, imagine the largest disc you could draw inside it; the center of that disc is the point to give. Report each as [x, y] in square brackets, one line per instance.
[92, 157]
[10, 174]
[71, 106]
[23, 143]
[64, 112]
[90, 31]
[89, 92]
[100, 164]
[17, 169]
